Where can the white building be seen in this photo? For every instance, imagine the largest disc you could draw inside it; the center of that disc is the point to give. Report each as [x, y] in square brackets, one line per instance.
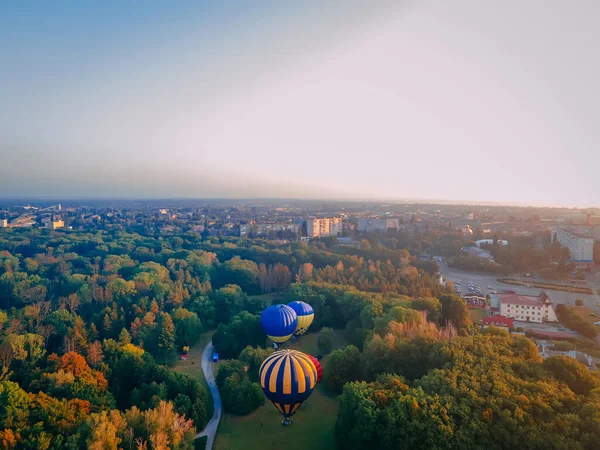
[3, 223]
[580, 247]
[491, 242]
[366, 224]
[324, 227]
[527, 308]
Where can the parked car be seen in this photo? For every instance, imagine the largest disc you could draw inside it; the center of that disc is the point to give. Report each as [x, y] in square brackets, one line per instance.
[215, 357]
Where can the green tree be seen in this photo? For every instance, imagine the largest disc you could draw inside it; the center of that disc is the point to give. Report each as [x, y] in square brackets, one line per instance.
[124, 337]
[325, 340]
[228, 301]
[188, 327]
[455, 311]
[166, 337]
[572, 373]
[253, 357]
[342, 366]
[244, 329]
[240, 395]
[14, 407]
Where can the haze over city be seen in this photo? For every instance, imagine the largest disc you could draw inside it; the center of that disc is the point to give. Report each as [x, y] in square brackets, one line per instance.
[324, 225]
[459, 101]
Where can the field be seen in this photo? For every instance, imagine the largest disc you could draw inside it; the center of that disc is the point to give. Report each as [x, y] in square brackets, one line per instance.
[192, 366]
[312, 427]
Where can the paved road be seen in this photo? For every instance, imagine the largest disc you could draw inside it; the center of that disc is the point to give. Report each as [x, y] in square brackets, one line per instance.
[211, 427]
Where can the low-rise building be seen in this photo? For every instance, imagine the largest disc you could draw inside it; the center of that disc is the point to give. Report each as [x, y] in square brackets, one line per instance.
[527, 308]
[491, 242]
[498, 321]
[474, 301]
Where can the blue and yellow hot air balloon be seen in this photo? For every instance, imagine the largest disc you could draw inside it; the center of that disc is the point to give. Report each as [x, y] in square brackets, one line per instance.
[279, 322]
[287, 378]
[305, 315]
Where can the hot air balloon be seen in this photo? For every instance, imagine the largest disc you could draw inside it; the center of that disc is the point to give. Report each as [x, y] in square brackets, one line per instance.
[305, 315]
[287, 378]
[279, 322]
[317, 366]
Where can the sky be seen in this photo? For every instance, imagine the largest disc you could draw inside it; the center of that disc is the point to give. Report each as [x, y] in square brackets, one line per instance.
[463, 100]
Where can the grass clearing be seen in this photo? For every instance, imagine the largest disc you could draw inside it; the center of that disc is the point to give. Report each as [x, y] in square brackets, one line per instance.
[275, 296]
[312, 427]
[193, 366]
[477, 315]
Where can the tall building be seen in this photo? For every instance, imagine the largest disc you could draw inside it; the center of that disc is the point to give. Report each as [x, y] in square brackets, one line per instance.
[324, 227]
[3, 223]
[366, 224]
[581, 248]
[54, 224]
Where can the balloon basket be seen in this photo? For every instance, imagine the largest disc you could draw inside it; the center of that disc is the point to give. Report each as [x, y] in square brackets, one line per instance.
[286, 422]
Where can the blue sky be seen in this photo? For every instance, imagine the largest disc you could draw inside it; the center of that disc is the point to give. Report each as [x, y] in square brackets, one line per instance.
[417, 99]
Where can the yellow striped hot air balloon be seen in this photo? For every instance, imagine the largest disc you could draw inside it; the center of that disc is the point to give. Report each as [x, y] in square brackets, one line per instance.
[287, 378]
[305, 315]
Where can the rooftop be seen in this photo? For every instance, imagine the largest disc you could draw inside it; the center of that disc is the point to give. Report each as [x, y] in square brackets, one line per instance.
[499, 321]
[516, 299]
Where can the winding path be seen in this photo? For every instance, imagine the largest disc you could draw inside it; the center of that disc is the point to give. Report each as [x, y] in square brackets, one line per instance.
[211, 428]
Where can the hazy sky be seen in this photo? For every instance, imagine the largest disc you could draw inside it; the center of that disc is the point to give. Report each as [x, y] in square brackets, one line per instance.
[435, 99]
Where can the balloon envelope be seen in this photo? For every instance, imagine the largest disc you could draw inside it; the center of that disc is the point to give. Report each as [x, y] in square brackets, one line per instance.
[279, 322]
[317, 366]
[305, 315]
[287, 378]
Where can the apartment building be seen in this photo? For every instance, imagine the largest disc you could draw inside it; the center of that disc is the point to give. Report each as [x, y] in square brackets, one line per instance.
[366, 225]
[54, 224]
[324, 227]
[581, 248]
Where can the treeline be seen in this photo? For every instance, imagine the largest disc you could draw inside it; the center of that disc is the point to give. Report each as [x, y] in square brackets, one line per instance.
[522, 255]
[122, 305]
[90, 322]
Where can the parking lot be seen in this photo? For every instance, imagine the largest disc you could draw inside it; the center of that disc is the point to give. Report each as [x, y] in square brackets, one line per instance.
[483, 280]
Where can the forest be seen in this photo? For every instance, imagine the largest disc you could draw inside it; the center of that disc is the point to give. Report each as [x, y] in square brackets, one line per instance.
[91, 324]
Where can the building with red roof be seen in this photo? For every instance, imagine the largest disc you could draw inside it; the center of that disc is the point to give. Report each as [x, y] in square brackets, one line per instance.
[527, 308]
[498, 321]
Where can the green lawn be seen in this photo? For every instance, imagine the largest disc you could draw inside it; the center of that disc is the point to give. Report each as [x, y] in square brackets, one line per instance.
[477, 315]
[192, 366]
[312, 426]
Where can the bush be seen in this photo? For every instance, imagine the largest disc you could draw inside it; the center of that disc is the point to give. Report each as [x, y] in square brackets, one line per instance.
[571, 320]
[578, 302]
